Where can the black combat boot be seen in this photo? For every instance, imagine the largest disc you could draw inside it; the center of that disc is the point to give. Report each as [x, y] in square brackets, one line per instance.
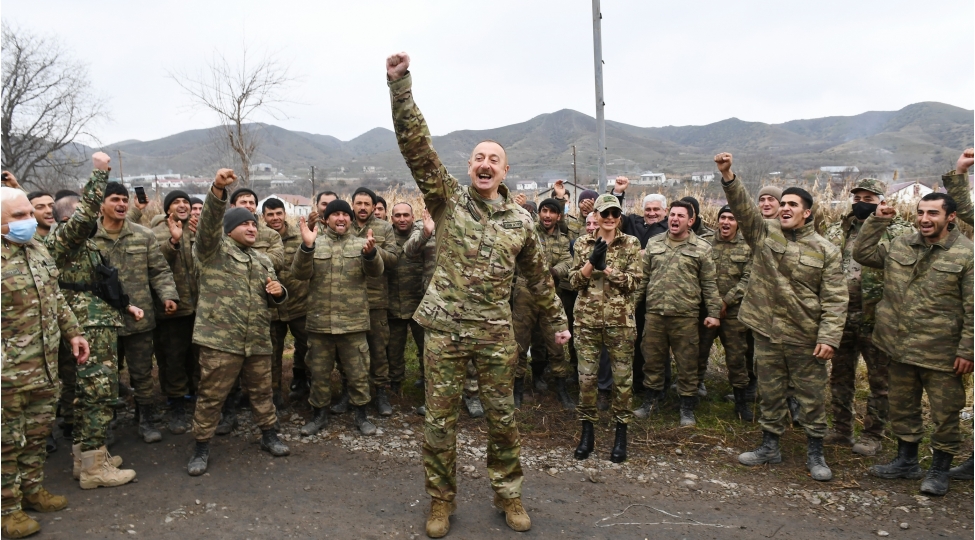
[687, 404]
[815, 461]
[362, 421]
[147, 426]
[903, 466]
[563, 395]
[198, 463]
[67, 431]
[587, 441]
[767, 453]
[177, 416]
[342, 406]
[474, 406]
[962, 471]
[299, 386]
[228, 417]
[651, 398]
[382, 402]
[618, 455]
[271, 444]
[395, 388]
[278, 400]
[793, 409]
[936, 481]
[538, 377]
[752, 389]
[317, 423]
[743, 409]
[519, 391]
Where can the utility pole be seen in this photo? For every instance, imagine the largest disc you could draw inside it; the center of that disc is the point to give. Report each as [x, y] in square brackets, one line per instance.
[575, 176]
[312, 181]
[121, 177]
[597, 49]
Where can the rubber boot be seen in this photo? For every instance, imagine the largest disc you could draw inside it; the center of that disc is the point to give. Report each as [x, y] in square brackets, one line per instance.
[201, 457]
[815, 461]
[768, 452]
[382, 402]
[618, 455]
[587, 441]
[271, 444]
[514, 513]
[651, 398]
[97, 470]
[438, 523]
[228, 417]
[317, 423]
[44, 501]
[116, 461]
[563, 395]
[903, 466]
[687, 404]
[519, 391]
[962, 471]
[793, 409]
[342, 406]
[936, 481]
[742, 408]
[362, 422]
[474, 406]
[147, 426]
[177, 416]
[18, 525]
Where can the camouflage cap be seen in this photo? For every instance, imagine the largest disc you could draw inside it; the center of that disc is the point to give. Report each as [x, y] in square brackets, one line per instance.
[606, 201]
[870, 184]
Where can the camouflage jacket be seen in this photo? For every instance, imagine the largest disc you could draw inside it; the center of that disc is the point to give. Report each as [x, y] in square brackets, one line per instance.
[233, 313]
[478, 246]
[925, 315]
[677, 278]
[182, 264]
[77, 256]
[958, 189]
[732, 267]
[796, 291]
[35, 317]
[297, 304]
[269, 243]
[389, 250]
[405, 279]
[141, 266]
[865, 286]
[424, 247]
[337, 270]
[574, 226]
[555, 247]
[607, 300]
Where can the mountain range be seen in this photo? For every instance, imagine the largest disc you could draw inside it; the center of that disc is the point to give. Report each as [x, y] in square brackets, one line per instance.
[920, 139]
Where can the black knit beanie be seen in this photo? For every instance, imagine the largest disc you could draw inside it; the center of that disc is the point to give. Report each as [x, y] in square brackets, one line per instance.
[235, 216]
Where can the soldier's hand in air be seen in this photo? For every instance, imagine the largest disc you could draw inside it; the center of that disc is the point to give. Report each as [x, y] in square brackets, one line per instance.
[370, 248]
[139, 204]
[520, 199]
[885, 211]
[10, 180]
[965, 161]
[100, 161]
[175, 228]
[192, 223]
[963, 366]
[169, 307]
[396, 65]
[308, 234]
[273, 288]
[598, 256]
[136, 312]
[622, 183]
[823, 351]
[561, 338]
[586, 207]
[80, 349]
[224, 178]
[558, 190]
[312, 220]
[711, 322]
[428, 224]
[723, 161]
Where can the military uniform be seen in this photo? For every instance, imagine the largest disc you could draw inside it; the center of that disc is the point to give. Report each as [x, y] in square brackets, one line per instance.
[36, 317]
[232, 325]
[291, 315]
[958, 189]
[676, 276]
[141, 267]
[604, 318]
[405, 292]
[466, 309]
[865, 287]
[796, 299]
[924, 322]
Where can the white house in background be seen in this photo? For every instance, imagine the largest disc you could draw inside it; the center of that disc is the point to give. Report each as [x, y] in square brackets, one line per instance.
[526, 185]
[702, 177]
[907, 192]
[650, 178]
[294, 205]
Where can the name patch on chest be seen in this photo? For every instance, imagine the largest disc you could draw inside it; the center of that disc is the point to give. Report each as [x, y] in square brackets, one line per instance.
[512, 224]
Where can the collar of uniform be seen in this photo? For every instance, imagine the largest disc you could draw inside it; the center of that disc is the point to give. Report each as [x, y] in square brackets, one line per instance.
[945, 242]
[369, 221]
[506, 202]
[125, 231]
[11, 248]
[734, 240]
[334, 236]
[541, 229]
[803, 231]
[289, 232]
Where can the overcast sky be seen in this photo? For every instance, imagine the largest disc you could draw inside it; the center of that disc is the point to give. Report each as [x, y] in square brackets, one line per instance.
[484, 64]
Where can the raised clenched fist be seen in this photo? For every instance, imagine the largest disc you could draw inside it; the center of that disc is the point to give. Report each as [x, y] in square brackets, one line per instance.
[520, 199]
[723, 161]
[622, 183]
[396, 65]
[224, 178]
[965, 161]
[885, 211]
[100, 161]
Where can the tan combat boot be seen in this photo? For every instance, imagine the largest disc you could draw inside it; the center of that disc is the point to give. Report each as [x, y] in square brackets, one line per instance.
[514, 513]
[18, 525]
[97, 470]
[116, 461]
[44, 501]
[438, 524]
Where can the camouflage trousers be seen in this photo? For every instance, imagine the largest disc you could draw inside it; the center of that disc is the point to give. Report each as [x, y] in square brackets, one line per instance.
[378, 338]
[218, 371]
[176, 356]
[778, 366]
[27, 421]
[396, 349]
[568, 303]
[618, 342]
[734, 339]
[136, 351]
[446, 357]
[67, 372]
[638, 361]
[533, 332]
[946, 394]
[661, 334]
[352, 351]
[857, 342]
[279, 330]
[96, 388]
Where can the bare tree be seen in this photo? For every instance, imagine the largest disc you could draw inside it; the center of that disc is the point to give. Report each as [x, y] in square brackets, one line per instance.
[47, 105]
[236, 92]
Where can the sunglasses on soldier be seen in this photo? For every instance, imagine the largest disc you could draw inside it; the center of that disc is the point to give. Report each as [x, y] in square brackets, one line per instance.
[615, 212]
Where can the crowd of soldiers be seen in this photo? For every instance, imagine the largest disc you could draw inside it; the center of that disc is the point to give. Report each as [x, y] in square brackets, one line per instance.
[489, 286]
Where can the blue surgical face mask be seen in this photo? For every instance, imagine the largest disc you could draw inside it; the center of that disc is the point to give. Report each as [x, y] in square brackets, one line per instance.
[21, 231]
